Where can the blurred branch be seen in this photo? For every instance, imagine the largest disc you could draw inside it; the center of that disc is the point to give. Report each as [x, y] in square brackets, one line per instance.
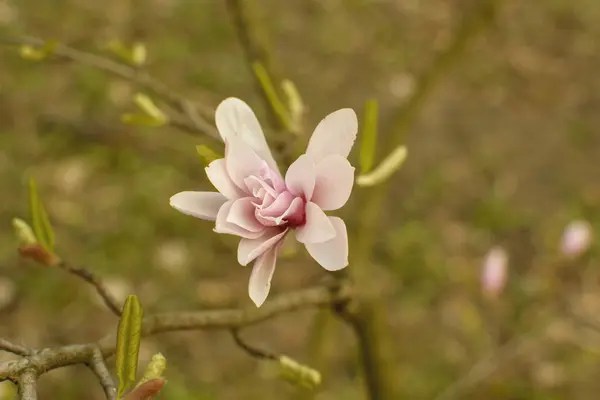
[87, 276]
[374, 342]
[98, 366]
[251, 350]
[14, 348]
[256, 53]
[28, 384]
[183, 114]
[48, 359]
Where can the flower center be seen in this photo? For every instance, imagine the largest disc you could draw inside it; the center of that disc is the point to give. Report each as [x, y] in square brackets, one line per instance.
[275, 205]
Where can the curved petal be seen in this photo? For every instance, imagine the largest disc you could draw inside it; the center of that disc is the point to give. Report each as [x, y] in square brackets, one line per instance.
[218, 176]
[249, 249]
[300, 177]
[335, 134]
[234, 117]
[241, 162]
[332, 254]
[203, 205]
[317, 228]
[242, 213]
[260, 278]
[333, 185]
[279, 206]
[222, 226]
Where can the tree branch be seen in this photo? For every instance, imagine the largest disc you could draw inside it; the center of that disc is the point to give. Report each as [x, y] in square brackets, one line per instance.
[14, 348]
[28, 384]
[98, 366]
[184, 115]
[110, 301]
[51, 358]
[250, 349]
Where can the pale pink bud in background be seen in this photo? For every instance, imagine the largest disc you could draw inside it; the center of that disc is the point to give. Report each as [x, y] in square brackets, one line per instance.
[576, 238]
[494, 273]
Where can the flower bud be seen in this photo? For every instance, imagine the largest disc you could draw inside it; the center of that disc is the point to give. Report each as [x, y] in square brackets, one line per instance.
[494, 273]
[576, 239]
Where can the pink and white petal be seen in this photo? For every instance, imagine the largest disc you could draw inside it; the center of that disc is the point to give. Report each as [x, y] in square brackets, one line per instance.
[235, 118]
[332, 254]
[241, 162]
[335, 178]
[279, 206]
[203, 205]
[242, 213]
[222, 226]
[249, 249]
[335, 134]
[317, 228]
[300, 177]
[262, 273]
[218, 176]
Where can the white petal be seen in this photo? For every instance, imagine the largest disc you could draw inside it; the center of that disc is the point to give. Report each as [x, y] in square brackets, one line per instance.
[203, 205]
[317, 228]
[335, 134]
[260, 278]
[218, 176]
[234, 117]
[223, 226]
[300, 177]
[332, 254]
[249, 249]
[241, 162]
[334, 181]
[242, 214]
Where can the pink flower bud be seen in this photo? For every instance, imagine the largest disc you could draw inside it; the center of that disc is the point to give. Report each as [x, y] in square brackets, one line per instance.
[576, 239]
[494, 273]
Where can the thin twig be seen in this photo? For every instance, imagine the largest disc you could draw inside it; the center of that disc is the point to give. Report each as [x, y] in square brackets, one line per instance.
[14, 348]
[250, 349]
[113, 305]
[98, 366]
[184, 115]
[28, 385]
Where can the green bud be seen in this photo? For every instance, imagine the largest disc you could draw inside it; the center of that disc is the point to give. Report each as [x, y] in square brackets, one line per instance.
[155, 369]
[24, 232]
[385, 169]
[299, 374]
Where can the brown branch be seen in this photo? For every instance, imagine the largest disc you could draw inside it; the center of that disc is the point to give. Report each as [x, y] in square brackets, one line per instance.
[113, 305]
[51, 358]
[250, 349]
[14, 348]
[184, 115]
[98, 366]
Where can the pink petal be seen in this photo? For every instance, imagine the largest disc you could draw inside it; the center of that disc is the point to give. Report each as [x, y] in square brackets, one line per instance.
[300, 177]
[260, 278]
[203, 205]
[249, 249]
[222, 226]
[279, 206]
[234, 118]
[332, 254]
[317, 229]
[241, 162]
[218, 176]
[335, 134]
[335, 178]
[242, 213]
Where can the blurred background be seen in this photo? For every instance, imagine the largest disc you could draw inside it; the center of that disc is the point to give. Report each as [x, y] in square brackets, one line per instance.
[504, 153]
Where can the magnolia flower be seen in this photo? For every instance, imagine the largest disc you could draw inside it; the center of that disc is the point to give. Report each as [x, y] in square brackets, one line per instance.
[254, 201]
[576, 238]
[495, 271]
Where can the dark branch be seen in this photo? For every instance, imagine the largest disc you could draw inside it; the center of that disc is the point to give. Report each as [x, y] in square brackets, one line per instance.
[251, 350]
[112, 303]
